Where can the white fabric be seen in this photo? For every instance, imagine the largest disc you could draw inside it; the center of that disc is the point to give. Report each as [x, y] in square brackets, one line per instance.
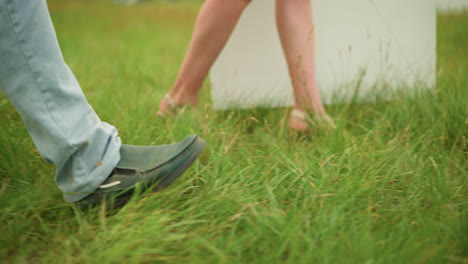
[383, 45]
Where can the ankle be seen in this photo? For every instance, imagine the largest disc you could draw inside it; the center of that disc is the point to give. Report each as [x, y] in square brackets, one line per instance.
[316, 110]
[184, 98]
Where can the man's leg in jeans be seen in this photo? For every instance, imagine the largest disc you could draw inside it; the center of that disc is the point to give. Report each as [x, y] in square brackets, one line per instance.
[34, 76]
[63, 126]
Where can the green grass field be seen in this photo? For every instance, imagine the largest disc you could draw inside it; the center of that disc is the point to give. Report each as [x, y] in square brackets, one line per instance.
[387, 186]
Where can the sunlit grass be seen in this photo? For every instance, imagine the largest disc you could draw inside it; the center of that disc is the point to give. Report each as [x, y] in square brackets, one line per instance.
[387, 186]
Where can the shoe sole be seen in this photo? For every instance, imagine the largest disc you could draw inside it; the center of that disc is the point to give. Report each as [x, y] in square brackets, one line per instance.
[199, 145]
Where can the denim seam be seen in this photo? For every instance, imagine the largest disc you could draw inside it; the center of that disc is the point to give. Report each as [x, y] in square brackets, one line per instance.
[37, 80]
[44, 93]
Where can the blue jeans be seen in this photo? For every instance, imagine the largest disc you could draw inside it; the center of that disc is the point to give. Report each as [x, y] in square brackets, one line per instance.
[63, 126]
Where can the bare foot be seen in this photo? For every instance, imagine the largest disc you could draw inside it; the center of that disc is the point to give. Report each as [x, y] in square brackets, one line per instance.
[174, 105]
[300, 121]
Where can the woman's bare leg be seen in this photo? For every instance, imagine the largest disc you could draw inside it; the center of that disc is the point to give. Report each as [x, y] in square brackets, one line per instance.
[294, 22]
[215, 23]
